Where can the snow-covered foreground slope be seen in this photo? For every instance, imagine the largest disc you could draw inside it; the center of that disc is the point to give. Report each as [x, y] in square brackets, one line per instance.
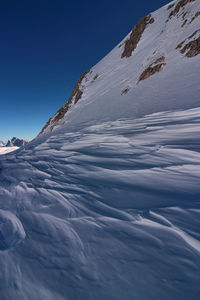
[107, 211]
[4, 150]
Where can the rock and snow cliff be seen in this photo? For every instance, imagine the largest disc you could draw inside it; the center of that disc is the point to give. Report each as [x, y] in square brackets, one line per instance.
[16, 142]
[155, 68]
[104, 203]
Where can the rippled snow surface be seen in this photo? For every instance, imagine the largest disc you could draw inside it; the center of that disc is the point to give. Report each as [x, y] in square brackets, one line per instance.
[107, 211]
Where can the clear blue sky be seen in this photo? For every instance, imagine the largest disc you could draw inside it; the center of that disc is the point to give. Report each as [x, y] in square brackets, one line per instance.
[46, 45]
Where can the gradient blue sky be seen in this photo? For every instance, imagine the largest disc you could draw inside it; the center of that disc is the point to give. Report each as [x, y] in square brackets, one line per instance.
[45, 47]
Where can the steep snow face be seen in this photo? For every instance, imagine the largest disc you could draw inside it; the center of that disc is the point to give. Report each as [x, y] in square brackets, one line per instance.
[155, 68]
[108, 211]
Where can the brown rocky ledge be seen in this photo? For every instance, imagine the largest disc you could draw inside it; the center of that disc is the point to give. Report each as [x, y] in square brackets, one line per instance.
[95, 77]
[178, 6]
[184, 23]
[195, 16]
[170, 6]
[192, 48]
[136, 34]
[125, 91]
[76, 95]
[155, 67]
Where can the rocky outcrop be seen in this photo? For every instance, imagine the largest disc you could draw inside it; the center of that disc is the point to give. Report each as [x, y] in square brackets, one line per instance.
[16, 142]
[45, 126]
[95, 77]
[170, 6]
[178, 6]
[136, 34]
[125, 91]
[191, 48]
[195, 16]
[155, 67]
[180, 45]
[184, 23]
[75, 96]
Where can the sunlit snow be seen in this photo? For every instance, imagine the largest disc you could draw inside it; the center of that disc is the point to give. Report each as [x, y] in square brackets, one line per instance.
[107, 210]
[4, 150]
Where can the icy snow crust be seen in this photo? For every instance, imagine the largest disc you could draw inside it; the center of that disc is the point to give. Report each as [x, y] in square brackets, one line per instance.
[110, 211]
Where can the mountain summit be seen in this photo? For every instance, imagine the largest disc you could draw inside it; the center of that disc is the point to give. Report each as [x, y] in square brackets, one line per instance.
[16, 142]
[153, 69]
[104, 203]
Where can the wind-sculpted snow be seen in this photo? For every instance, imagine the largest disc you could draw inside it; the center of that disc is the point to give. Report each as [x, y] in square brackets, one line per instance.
[110, 211]
[4, 150]
[11, 230]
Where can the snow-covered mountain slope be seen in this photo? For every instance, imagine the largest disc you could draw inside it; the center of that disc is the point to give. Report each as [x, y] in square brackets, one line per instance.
[108, 211]
[107, 205]
[4, 150]
[2, 143]
[155, 68]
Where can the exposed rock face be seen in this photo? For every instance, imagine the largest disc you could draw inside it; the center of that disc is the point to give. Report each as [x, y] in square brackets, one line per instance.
[184, 23]
[155, 67]
[46, 125]
[192, 48]
[125, 91]
[170, 6]
[178, 6]
[195, 16]
[75, 95]
[180, 45]
[136, 34]
[16, 142]
[151, 49]
[95, 77]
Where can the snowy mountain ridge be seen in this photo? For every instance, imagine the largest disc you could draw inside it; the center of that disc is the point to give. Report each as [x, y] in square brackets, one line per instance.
[16, 142]
[141, 75]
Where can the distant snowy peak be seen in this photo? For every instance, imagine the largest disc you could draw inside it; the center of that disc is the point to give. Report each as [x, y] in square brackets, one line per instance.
[16, 142]
[2, 143]
[138, 76]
